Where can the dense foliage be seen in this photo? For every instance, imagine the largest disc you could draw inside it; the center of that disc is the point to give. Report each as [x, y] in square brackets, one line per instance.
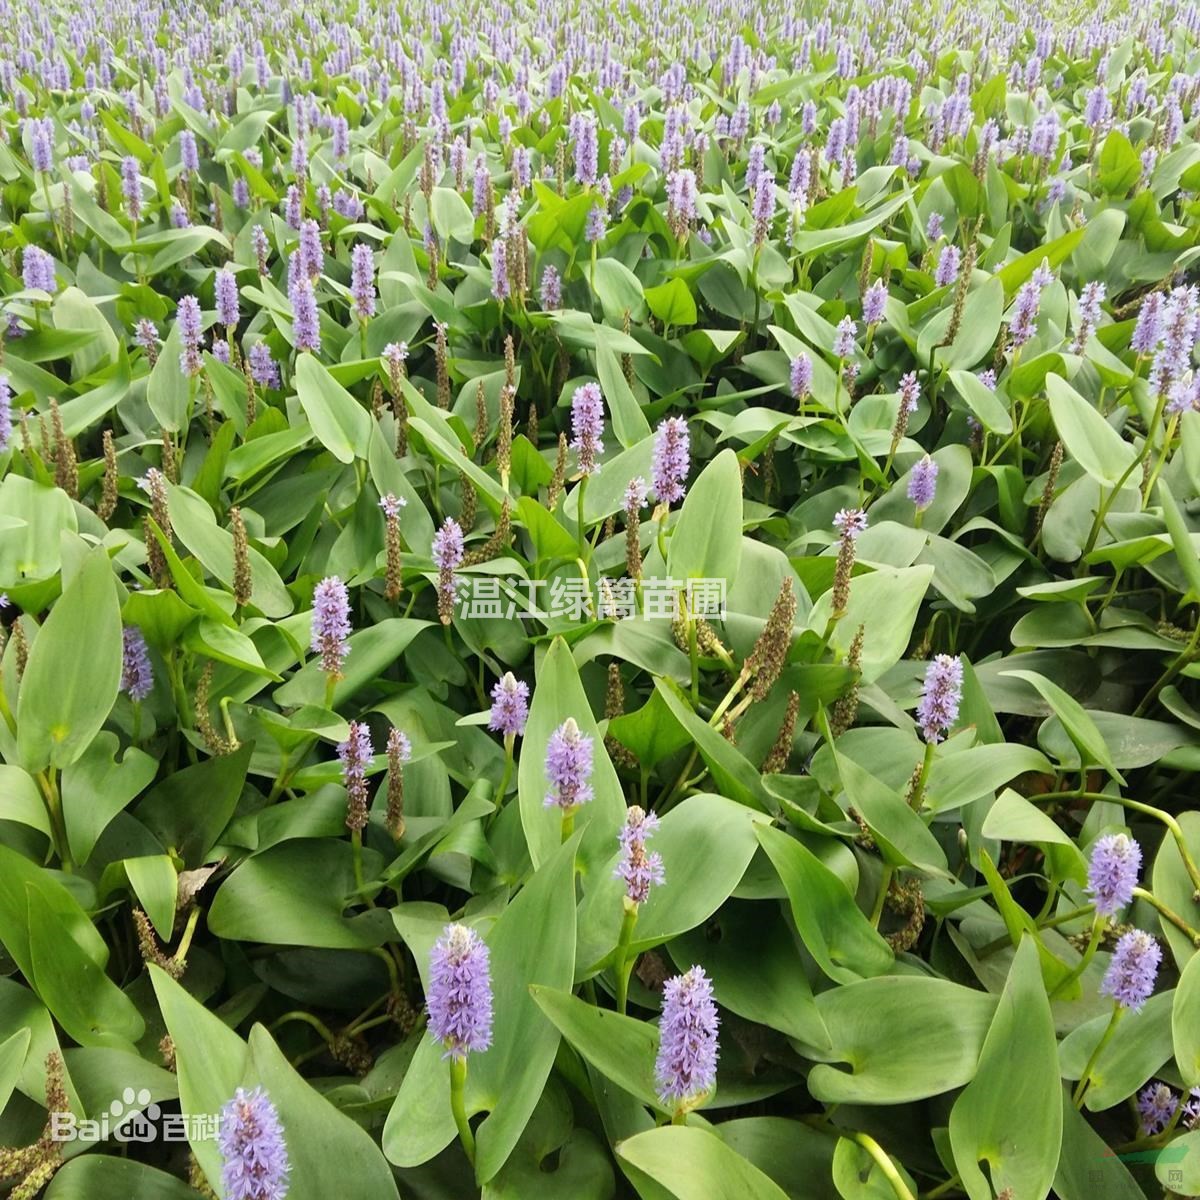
[599, 600]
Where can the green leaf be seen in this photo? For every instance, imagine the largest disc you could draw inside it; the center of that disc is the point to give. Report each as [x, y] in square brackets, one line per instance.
[1120, 166]
[1181, 540]
[672, 303]
[372, 650]
[532, 945]
[621, 1048]
[694, 1164]
[707, 843]
[66, 695]
[99, 1177]
[931, 1057]
[1010, 1114]
[169, 390]
[1091, 440]
[834, 930]
[84, 1001]
[339, 422]
[210, 1062]
[1128, 1061]
[188, 810]
[268, 898]
[1185, 1023]
[1079, 726]
[757, 972]
[156, 885]
[701, 547]
[322, 1141]
[982, 401]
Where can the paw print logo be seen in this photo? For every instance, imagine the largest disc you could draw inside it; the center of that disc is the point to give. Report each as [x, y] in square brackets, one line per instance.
[133, 1116]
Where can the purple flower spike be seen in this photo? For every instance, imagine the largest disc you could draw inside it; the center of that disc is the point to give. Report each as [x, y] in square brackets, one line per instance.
[500, 286]
[1132, 970]
[448, 546]
[873, 303]
[587, 425]
[306, 324]
[638, 869]
[331, 623]
[922, 483]
[910, 391]
[5, 413]
[686, 1067]
[940, 697]
[131, 187]
[947, 267]
[670, 462]
[460, 992]
[362, 281]
[568, 767]
[37, 269]
[551, 287]
[1113, 872]
[263, 368]
[1156, 1105]
[843, 341]
[188, 317]
[800, 376]
[253, 1148]
[226, 289]
[510, 706]
[137, 676]
[355, 753]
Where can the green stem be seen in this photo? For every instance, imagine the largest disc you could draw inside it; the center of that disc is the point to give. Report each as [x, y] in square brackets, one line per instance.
[48, 786]
[623, 965]
[185, 942]
[1168, 914]
[568, 824]
[884, 1162]
[1147, 810]
[583, 546]
[926, 763]
[1099, 923]
[1086, 1078]
[458, 1083]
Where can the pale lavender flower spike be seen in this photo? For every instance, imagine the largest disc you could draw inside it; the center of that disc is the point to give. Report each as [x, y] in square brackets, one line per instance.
[873, 303]
[1132, 970]
[226, 289]
[843, 341]
[670, 462]
[587, 425]
[940, 697]
[331, 623]
[253, 1148]
[1156, 1105]
[137, 676]
[922, 483]
[638, 869]
[460, 992]
[800, 376]
[510, 706]
[1113, 872]
[686, 1067]
[568, 767]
